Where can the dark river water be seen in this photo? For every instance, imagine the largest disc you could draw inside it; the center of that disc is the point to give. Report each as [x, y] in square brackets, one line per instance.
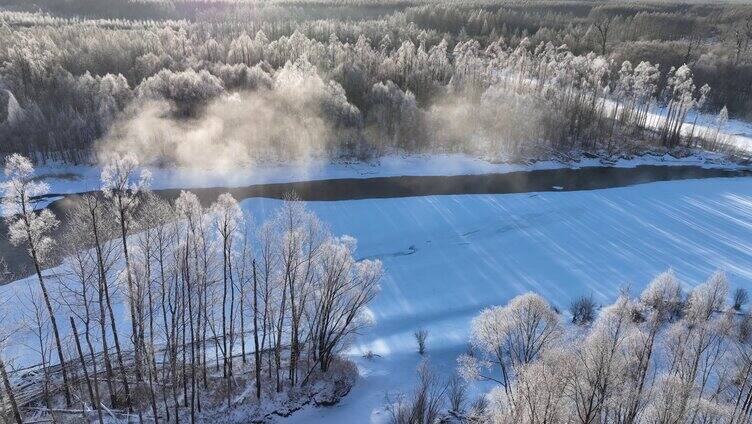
[588, 178]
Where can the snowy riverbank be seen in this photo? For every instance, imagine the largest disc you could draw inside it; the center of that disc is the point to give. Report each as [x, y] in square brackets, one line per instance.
[65, 179]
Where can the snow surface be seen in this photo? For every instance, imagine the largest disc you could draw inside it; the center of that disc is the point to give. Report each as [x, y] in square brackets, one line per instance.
[738, 128]
[737, 131]
[448, 257]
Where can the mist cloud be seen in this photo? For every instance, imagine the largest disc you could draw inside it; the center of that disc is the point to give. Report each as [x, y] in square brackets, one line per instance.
[294, 120]
[297, 117]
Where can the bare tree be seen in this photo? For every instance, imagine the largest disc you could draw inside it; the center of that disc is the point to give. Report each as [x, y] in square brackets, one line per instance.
[421, 335]
[79, 291]
[456, 394]
[424, 405]
[602, 27]
[36, 320]
[88, 225]
[256, 345]
[93, 395]
[741, 298]
[583, 310]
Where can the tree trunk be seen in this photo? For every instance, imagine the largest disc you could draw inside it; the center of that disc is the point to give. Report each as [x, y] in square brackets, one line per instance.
[9, 392]
[256, 350]
[94, 400]
[129, 278]
[118, 351]
[102, 280]
[53, 321]
[224, 307]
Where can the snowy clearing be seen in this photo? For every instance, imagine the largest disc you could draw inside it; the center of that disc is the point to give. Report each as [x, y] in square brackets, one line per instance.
[737, 132]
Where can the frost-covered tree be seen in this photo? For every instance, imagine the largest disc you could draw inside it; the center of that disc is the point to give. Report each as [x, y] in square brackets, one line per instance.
[31, 228]
[507, 338]
[228, 219]
[652, 358]
[122, 183]
[594, 369]
[345, 286]
[697, 347]
[680, 90]
[537, 395]
[187, 275]
[71, 87]
[186, 89]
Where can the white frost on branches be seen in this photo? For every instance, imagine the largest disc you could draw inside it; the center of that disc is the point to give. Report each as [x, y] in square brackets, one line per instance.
[25, 225]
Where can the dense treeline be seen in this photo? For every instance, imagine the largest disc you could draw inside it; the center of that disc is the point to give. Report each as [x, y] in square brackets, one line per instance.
[661, 357]
[178, 312]
[402, 76]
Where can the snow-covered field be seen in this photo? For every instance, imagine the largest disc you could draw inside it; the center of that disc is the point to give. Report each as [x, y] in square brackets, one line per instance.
[447, 257]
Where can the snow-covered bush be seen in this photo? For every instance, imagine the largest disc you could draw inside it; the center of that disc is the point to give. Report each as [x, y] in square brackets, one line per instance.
[583, 310]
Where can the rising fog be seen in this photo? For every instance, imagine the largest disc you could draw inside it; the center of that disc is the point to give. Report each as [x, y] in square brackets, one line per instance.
[299, 117]
[285, 121]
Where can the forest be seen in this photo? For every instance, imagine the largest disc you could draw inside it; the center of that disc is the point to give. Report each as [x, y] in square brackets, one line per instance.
[254, 82]
[219, 308]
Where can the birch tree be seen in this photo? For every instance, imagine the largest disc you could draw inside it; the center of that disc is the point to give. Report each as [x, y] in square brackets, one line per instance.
[122, 184]
[31, 228]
